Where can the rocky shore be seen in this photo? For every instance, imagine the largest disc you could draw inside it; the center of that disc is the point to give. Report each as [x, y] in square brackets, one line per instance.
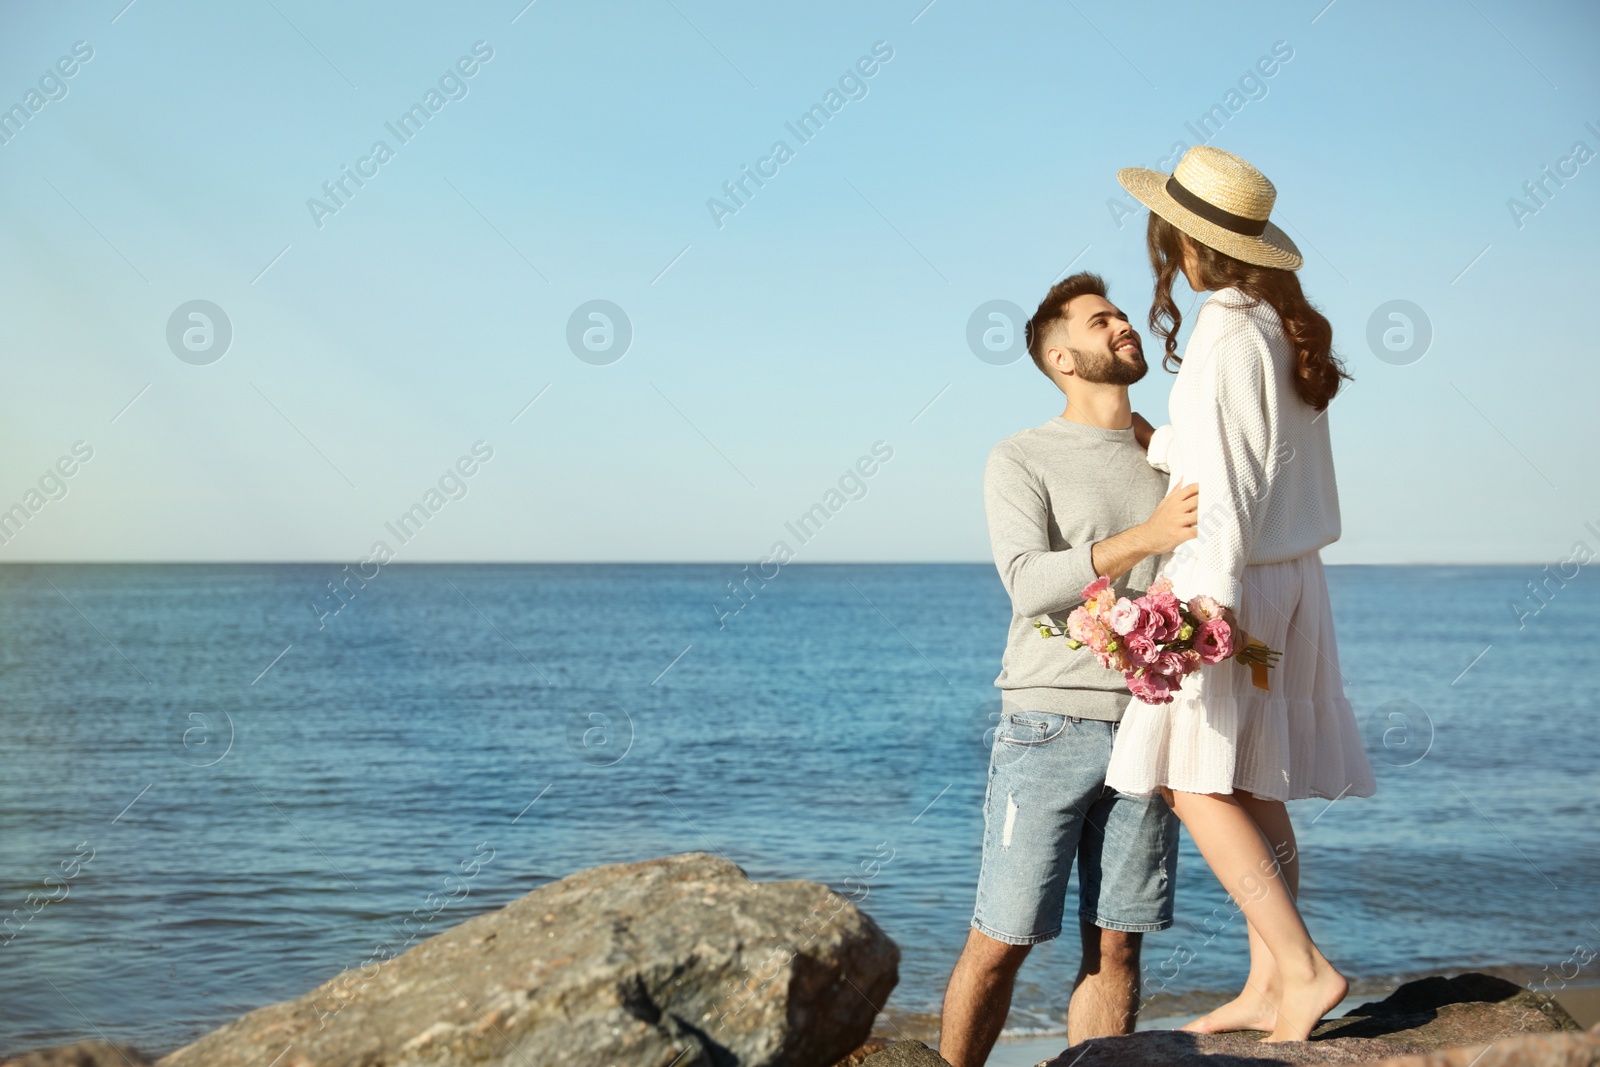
[1471, 1020]
[684, 962]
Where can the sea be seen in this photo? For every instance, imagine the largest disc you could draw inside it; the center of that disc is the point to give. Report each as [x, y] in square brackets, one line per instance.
[224, 784]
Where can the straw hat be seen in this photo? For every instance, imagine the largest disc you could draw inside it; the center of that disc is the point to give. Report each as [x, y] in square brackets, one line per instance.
[1219, 200]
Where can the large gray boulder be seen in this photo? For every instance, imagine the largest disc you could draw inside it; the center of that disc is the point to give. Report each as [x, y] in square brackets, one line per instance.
[673, 962]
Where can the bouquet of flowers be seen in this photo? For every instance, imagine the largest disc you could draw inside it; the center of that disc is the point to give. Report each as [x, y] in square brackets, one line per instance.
[1156, 639]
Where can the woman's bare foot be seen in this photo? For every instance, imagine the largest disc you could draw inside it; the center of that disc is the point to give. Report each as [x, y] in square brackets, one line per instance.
[1305, 1003]
[1250, 1010]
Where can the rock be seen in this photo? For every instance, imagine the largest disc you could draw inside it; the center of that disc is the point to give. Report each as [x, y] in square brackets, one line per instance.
[1179, 1048]
[82, 1054]
[905, 1054]
[1434, 1013]
[1563, 1049]
[1419, 1017]
[875, 1044]
[680, 960]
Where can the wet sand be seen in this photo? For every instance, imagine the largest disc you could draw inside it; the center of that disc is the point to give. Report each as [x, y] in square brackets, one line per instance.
[1582, 1003]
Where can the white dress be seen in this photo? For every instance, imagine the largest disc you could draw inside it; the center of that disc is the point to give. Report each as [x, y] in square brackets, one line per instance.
[1268, 502]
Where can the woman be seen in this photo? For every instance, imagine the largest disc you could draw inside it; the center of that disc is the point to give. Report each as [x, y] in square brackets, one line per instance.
[1248, 427]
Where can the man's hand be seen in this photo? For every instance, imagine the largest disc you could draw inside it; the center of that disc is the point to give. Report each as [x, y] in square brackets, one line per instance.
[1174, 519]
[1169, 525]
[1142, 431]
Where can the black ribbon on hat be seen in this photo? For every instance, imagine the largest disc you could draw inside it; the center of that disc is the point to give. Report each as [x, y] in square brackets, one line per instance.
[1214, 214]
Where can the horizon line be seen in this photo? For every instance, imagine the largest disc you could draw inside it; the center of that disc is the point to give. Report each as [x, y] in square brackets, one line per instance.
[651, 563]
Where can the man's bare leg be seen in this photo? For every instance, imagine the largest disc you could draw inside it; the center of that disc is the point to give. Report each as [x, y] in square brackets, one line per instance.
[1105, 998]
[978, 998]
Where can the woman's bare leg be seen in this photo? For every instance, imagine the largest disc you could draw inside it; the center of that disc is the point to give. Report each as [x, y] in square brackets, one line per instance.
[1256, 1006]
[1239, 854]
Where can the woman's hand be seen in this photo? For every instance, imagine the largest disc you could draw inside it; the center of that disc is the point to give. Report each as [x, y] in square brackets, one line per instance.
[1240, 638]
[1142, 431]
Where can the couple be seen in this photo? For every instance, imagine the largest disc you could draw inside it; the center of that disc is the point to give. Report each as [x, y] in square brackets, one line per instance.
[1078, 768]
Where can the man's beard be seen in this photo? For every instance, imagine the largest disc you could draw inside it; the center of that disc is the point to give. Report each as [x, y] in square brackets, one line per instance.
[1104, 368]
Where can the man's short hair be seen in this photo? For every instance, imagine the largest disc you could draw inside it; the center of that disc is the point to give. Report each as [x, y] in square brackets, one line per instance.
[1053, 309]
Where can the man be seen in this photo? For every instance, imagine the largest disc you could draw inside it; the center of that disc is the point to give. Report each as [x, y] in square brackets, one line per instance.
[1063, 500]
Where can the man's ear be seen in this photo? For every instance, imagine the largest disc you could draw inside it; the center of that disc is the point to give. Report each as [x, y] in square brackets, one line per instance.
[1060, 359]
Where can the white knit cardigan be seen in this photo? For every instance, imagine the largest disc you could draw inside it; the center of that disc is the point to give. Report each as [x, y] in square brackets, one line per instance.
[1261, 455]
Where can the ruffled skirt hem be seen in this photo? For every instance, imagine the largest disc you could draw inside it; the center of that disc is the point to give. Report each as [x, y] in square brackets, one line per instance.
[1220, 734]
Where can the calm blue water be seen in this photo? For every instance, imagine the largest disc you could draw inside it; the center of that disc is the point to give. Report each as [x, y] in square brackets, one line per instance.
[253, 834]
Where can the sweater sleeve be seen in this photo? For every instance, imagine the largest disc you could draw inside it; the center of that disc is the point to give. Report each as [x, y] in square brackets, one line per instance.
[1230, 444]
[1038, 580]
[1160, 446]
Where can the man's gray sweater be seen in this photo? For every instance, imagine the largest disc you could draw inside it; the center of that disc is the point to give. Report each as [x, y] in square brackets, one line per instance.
[1050, 493]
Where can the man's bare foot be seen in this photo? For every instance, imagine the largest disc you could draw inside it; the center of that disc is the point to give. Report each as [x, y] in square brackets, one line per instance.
[1249, 1010]
[1305, 1003]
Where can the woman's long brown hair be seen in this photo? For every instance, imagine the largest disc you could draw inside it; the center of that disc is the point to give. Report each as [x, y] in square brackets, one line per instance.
[1318, 372]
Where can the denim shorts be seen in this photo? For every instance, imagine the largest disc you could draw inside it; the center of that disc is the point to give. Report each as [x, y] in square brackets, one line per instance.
[1048, 801]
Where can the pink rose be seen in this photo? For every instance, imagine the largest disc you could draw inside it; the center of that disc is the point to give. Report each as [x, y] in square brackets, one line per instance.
[1214, 641]
[1168, 615]
[1151, 624]
[1078, 624]
[1205, 608]
[1175, 664]
[1160, 586]
[1105, 605]
[1098, 596]
[1149, 687]
[1096, 636]
[1125, 616]
[1140, 648]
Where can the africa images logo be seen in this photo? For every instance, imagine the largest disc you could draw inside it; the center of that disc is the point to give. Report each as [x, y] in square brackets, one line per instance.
[52, 87]
[199, 332]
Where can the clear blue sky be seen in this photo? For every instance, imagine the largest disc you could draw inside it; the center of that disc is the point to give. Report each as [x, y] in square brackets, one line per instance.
[770, 353]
